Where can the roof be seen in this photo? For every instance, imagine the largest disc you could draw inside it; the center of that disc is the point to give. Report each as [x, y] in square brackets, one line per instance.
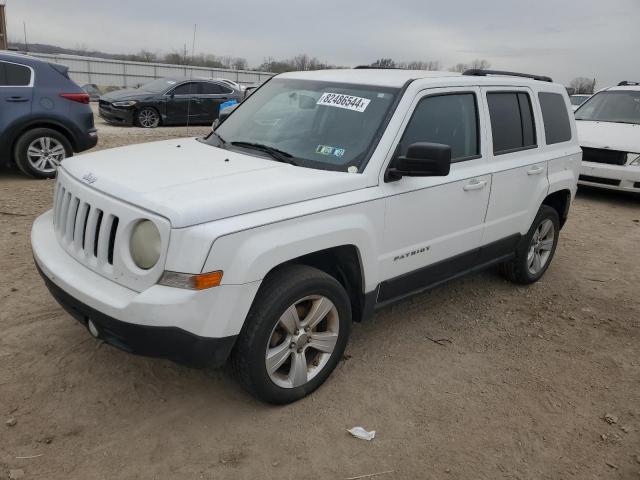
[632, 88]
[381, 77]
[398, 77]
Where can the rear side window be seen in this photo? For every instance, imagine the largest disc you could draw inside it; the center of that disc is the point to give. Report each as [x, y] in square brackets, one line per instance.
[512, 124]
[213, 89]
[557, 128]
[13, 75]
[189, 88]
[448, 119]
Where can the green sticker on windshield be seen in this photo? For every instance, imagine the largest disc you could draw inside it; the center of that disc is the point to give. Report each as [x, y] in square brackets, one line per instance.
[327, 150]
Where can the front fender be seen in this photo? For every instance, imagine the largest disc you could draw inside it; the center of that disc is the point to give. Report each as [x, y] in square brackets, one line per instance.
[248, 256]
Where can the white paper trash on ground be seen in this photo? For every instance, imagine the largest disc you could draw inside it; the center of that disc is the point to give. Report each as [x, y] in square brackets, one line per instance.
[362, 434]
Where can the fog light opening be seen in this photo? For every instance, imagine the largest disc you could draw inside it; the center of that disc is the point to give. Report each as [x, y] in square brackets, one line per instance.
[93, 330]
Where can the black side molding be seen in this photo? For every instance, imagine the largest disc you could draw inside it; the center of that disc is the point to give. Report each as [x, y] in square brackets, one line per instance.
[483, 73]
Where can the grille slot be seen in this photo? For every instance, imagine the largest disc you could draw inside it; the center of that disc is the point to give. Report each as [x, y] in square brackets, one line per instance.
[601, 155]
[85, 229]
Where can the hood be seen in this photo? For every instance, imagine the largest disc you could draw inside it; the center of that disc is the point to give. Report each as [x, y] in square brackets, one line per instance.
[622, 137]
[127, 94]
[189, 182]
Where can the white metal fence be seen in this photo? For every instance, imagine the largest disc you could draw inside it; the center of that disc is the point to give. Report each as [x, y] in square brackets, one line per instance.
[119, 73]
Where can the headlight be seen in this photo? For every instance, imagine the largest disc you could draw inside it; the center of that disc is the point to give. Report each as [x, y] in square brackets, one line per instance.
[125, 103]
[633, 159]
[145, 244]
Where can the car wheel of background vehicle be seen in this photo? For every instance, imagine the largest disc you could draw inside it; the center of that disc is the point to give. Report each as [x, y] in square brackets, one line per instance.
[536, 250]
[294, 335]
[148, 117]
[38, 152]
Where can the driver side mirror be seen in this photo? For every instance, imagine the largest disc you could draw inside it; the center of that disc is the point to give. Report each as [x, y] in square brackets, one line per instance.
[423, 159]
[222, 116]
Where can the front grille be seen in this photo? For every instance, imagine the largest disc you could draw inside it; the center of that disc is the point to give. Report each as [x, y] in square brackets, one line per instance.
[601, 155]
[83, 227]
[602, 180]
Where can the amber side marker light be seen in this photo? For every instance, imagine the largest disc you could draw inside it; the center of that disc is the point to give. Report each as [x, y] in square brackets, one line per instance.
[200, 281]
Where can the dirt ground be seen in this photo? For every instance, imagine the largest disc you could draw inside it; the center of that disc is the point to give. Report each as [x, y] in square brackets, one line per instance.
[518, 387]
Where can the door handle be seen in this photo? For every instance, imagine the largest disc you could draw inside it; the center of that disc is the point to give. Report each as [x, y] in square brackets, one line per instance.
[535, 171]
[17, 99]
[474, 185]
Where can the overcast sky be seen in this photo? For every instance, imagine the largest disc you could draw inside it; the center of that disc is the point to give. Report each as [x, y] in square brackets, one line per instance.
[560, 38]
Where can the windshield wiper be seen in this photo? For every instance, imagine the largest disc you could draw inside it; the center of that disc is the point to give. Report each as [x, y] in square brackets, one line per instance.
[276, 154]
[220, 139]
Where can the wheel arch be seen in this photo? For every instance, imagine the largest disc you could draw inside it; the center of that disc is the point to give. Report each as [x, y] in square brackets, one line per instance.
[560, 201]
[51, 124]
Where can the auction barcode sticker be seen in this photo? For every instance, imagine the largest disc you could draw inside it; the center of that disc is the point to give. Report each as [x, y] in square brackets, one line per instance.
[339, 100]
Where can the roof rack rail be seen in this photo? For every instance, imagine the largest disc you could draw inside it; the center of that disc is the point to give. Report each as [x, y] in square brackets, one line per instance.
[627, 83]
[483, 73]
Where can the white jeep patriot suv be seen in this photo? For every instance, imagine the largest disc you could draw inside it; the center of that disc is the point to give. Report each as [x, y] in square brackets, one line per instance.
[324, 196]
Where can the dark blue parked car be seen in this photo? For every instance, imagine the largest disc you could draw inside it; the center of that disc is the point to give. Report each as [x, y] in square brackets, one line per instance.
[44, 115]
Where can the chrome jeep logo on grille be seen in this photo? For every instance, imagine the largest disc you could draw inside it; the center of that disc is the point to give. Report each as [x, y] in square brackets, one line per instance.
[89, 178]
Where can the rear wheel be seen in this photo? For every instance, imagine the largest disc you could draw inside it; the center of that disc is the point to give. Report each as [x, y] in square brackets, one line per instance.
[38, 152]
[536, 250]
[294, 336]
[148, 117]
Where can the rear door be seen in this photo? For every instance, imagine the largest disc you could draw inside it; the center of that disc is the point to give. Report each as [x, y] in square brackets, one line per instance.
[517, 161]
[211, 96]
[16, 92]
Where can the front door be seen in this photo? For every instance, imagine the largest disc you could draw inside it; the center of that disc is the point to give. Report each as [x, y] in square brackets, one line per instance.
[434, 225]
[182, 103]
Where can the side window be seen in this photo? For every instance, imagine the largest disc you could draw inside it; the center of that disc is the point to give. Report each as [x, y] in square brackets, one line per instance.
[557, 128]
[449, 119]
[512, 124]
[213, 89]
[189, 88]
[13, 75]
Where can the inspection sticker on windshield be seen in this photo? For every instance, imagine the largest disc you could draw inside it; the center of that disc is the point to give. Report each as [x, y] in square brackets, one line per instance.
[339, 100]
[327, 150]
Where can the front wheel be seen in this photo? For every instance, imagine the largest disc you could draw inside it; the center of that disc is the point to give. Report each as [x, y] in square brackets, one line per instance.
[294, 336]
[148, 117]
[536, 250]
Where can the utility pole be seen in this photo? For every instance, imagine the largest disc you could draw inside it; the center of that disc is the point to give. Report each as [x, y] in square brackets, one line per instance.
[4, 42]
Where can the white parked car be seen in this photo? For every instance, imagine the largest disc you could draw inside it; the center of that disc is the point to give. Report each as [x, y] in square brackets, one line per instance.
[609, 131]
[324, 196]
[577, 100]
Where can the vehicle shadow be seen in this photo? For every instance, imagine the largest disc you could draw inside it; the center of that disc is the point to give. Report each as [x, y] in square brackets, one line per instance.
[611, 196]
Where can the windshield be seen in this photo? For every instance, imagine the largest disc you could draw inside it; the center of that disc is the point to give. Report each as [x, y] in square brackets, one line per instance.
[577, 100]
[158, 86]
[616, 106]
[330, 126]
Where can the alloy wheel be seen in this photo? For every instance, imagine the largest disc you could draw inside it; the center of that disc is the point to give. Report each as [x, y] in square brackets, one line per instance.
[540, 247]
[148, 118]
[302, 341]
[45, 154]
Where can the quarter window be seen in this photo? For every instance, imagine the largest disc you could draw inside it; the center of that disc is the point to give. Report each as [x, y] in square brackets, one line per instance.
[14, 75]
[448, 119]
[557, 128]
[512, 124]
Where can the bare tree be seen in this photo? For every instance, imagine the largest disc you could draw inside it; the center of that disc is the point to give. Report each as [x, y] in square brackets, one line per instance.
[477, 64]
[582, 85]
[384, 63]
[420, 65]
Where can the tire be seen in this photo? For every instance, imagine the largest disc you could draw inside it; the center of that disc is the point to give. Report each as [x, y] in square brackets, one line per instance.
[38, 152]
[295, 291]
[524, 268]
[147, 117]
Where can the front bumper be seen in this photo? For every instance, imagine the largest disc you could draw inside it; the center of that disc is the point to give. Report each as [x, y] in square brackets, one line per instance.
[614, 177]
[121, 116]
[160, 321]
[166, 342]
